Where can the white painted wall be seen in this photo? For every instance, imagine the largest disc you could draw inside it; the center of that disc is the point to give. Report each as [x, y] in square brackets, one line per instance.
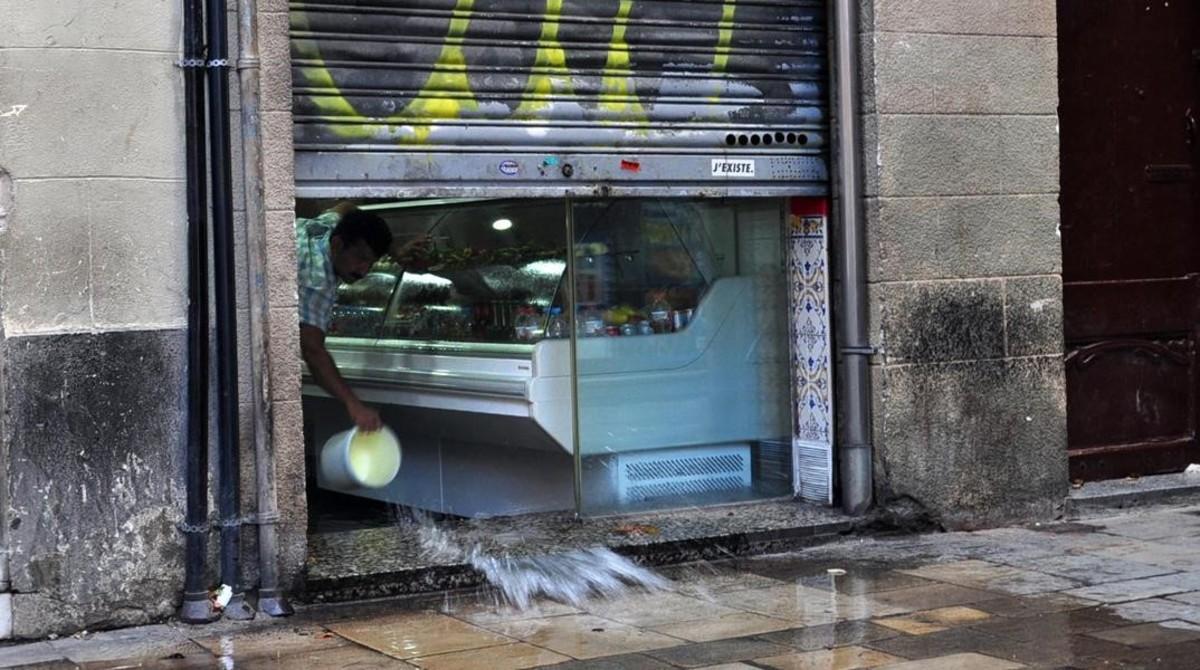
[91, 133]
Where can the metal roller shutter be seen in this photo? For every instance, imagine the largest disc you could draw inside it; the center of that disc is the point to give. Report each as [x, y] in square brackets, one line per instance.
[547, 96]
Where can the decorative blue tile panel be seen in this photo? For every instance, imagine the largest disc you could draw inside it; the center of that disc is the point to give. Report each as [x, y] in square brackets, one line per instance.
[812, 380]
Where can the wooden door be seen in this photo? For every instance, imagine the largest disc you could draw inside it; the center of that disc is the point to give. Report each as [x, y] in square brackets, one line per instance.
[1128, 83]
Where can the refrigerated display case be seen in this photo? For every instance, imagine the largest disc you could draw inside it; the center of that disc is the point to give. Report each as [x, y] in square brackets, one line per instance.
[478, 357]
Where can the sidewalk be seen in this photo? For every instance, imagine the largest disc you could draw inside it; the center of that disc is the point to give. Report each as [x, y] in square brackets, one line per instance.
[1115, 592]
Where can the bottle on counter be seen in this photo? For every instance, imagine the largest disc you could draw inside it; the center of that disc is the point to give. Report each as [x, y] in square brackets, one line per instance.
[660, 314]
[525, 326]
[557, 327]
[680, 319]
[591, 323]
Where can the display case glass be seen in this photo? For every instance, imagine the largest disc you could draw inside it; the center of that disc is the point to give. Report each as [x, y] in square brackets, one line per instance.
[494, 272]
[699, 413]
[597, 355]
[483, 264]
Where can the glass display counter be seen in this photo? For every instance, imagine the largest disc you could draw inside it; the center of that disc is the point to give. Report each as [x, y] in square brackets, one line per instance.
[673, 350]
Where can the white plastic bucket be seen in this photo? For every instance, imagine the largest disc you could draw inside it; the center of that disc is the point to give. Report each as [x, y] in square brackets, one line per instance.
[353, 459]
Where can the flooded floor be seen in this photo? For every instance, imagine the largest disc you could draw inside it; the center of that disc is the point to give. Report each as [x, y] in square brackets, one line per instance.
[1116, 592]
[383, 552]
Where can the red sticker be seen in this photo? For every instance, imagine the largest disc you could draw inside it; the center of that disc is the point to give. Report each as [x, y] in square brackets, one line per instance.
[810, 206]
[631, 166]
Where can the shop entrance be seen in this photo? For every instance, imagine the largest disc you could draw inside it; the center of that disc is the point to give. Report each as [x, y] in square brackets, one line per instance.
[589, 356]
[1129, 76]
[621, 170]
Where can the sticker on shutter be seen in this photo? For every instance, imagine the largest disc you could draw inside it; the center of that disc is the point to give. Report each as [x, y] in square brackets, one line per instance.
[510, 168]
[722, 167]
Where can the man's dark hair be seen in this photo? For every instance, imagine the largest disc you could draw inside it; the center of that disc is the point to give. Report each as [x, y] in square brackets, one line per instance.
[359, 225]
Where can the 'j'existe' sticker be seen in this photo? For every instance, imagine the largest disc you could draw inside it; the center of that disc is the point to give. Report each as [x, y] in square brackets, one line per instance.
[724, 167]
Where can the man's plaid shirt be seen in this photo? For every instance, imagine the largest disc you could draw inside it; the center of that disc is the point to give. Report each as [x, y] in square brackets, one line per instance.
[317, 280]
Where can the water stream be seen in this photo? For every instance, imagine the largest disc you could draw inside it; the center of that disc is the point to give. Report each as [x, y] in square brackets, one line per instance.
[570, 577]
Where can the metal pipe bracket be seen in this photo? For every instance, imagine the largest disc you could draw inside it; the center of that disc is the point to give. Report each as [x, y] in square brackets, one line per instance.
[865, 350]
[193, 528]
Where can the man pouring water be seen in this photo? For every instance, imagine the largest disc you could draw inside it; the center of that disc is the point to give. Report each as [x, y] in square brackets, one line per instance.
[338, 246]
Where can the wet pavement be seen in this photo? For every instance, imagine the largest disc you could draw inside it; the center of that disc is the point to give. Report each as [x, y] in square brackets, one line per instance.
[353, 559]
[1115, 592]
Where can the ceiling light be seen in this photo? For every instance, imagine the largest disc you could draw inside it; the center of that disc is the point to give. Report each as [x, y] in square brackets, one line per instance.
[502, 224]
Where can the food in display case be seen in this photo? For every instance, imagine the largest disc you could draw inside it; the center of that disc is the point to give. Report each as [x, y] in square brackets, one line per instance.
[479, 292]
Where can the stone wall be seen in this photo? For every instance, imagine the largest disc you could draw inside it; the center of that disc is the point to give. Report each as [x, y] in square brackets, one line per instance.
[94, 287]
[284, 351]
[93, 297]
[961, 164]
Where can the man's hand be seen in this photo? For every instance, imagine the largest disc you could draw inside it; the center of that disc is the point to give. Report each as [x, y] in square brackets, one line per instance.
[365, 418]
[413, 254]
[325, 373]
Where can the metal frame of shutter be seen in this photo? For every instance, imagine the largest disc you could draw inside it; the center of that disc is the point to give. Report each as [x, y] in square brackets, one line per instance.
[410, 98]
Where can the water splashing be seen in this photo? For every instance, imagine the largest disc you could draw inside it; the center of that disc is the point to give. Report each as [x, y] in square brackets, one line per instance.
[569, 577]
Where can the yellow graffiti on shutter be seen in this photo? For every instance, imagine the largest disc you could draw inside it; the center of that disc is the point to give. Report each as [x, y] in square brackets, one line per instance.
[549, 75]
[617, 92]
[316, 75]
[445, 94]
[449, 76]
[724, 39]
[724, 36]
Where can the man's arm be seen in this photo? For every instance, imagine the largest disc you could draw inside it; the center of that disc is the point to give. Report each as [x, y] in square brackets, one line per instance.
[325, 372]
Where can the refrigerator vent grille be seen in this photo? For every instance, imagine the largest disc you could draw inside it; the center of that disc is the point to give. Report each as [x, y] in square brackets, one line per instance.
[678, 472]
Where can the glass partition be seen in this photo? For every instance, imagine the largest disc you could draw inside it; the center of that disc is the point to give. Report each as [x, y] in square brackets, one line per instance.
[485, 265]
[682, 357]
[642, 364]
[451, 340]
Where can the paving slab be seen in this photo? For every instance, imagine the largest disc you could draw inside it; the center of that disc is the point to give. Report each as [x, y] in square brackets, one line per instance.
[1153, 610]
[143, 641]
[1151, 634]
[841, 657]
[28, 654]
[995, 577]
[1048, 625]
[1150, 525]
[1125, 494]
[1138, 589]
[832, 635]
[1088, 569]
[707, 654]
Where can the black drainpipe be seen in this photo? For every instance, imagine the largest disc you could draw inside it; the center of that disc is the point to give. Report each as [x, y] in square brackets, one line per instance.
[197, 607]
[228, 447]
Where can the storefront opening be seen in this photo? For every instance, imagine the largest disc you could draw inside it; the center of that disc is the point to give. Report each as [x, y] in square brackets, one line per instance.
[596, 356]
